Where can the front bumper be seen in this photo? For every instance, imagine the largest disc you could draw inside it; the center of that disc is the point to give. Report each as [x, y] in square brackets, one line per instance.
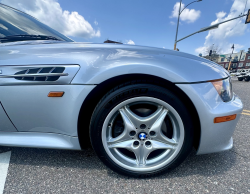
[215, 137]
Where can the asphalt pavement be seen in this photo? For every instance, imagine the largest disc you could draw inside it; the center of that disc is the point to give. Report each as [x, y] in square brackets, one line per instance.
[60, 171]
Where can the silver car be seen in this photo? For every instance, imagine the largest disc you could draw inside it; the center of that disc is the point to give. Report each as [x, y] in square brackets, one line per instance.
[142, 109]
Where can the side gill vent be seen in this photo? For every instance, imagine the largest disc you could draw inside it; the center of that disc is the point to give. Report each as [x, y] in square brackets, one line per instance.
[40, 74]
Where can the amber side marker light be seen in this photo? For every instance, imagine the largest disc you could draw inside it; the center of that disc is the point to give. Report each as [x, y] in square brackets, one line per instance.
[55, 94]
[224, 119]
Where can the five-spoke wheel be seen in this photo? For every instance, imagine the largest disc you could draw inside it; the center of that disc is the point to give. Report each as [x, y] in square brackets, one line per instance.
[141, 134]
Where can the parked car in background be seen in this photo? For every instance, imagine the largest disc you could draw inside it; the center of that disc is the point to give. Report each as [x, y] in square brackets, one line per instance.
[143, 109]
[243, 74]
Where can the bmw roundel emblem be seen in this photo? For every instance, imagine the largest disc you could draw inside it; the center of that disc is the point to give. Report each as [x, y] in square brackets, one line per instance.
[142, 136]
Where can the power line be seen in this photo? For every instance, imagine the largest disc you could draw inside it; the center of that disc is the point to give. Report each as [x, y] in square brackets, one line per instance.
[240, 18]
[245, 6]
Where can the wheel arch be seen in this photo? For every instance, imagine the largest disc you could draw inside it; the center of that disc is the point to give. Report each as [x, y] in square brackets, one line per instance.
[103, 88]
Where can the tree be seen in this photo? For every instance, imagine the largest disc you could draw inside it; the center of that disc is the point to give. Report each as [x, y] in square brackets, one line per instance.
[214, 54]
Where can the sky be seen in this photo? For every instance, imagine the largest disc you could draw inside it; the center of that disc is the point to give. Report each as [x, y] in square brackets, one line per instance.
[150, 23]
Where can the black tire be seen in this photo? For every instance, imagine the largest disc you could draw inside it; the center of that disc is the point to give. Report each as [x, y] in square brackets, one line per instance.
[122, 93]
[247, 79]
[240, 78]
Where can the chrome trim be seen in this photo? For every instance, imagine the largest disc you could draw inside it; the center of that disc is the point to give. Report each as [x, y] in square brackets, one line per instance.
[10, 71]
[39, 70]
[34, 75]
[26, 72]
[52, 70]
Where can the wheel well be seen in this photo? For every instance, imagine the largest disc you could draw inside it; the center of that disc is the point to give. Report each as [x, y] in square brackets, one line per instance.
[101, 89]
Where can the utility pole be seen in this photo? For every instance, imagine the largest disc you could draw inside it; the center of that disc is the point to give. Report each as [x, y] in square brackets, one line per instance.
[231, 58]
[179, 14]
[214, 26]
[177, 28]
[240, 58]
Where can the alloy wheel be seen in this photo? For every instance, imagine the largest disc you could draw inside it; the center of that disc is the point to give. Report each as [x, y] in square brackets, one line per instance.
[143, 134]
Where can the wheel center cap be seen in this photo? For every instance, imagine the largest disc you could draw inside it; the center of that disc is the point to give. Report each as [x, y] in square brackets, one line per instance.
[142, 136]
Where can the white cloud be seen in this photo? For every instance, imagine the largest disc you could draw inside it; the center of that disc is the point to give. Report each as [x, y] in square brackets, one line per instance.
[188, 15]
[172, 23]
[51, 13]
[226, 49]
[130, 42]
[201, 50]
[95, 22]
[220, 37]
[221, 14]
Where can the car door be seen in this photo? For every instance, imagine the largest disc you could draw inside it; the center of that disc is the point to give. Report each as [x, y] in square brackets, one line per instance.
[5, 122]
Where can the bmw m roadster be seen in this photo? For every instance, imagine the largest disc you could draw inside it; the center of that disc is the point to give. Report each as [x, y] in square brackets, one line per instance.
[142, 109]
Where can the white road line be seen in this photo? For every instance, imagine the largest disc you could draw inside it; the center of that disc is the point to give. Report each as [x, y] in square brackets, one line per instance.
[4, 165]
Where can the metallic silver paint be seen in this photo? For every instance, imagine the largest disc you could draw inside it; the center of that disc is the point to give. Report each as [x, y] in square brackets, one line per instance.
[5, 123]
[8, 74]
[215, 137]
[99, 62]
[32, 111]
[34, 75]
[39, 140]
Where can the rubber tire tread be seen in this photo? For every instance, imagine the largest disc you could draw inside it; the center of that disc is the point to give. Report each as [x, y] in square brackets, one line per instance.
[129, 90]
[247, 79]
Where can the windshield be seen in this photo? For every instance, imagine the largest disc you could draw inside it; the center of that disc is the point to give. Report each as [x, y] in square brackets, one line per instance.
[14, 23]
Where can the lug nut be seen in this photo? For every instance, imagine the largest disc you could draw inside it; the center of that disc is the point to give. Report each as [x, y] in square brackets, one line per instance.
[147, 143]
[136, 143]
[143, 126]
[132, 133]
[152, 133]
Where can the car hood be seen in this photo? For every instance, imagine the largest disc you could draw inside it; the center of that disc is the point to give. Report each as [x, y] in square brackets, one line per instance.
[96, 58]
[167, 51]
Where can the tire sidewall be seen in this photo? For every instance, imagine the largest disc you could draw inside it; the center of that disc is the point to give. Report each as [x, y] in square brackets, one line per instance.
[138, 90]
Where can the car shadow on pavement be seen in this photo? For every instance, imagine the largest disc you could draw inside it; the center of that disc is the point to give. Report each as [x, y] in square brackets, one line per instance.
[204, 165]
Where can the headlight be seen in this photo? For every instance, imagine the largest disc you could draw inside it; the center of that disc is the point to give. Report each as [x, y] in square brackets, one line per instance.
[224, 89]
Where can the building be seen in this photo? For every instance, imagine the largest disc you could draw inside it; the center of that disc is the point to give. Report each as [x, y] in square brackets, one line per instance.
[239, 60]
[247, 61]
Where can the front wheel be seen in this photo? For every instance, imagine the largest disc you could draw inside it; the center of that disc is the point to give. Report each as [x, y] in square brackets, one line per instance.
[240, 78]
[247, 79]
[141, 130]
